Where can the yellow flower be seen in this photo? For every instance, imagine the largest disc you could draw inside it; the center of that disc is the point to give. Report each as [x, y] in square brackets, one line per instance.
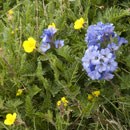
[79, 23]
[96, 93]
[10, 12]
[12, 32]
[62, 102]
[90, 97]
[65, 102]
[29, 45]
[52, 25]
[19, 92]
[10, 119]
[58, 103]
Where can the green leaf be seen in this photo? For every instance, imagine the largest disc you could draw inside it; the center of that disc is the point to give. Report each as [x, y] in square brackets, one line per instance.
[65, 52]
[29, 107]
[34, 90]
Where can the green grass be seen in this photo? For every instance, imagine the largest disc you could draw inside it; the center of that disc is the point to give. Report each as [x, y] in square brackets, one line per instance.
[46, 78]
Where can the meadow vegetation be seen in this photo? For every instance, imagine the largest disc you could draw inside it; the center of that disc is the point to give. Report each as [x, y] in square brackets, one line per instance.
[43, 82]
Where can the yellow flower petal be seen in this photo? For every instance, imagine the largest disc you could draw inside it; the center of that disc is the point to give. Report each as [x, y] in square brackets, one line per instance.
[58, 103]
[9, 116]
[52, 25]
[10, 12]
[6, 122]
[79, 23]
[19, 92]
[29, 45]
[10, 119]
[14, 115]
[63, 99]
[96, 93]
[90, 97]
[32, 40]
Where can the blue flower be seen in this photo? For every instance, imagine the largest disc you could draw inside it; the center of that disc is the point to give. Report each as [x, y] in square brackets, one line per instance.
[100, 67]
[121, 41]
[44, 47]
[94, 75]
[107, 76]
[99, 59]
[97, 34]
[113, 47]
[49, 32]
[47, 39]
[111, 65]
[59, 43]
[99, 63]
[105, 54]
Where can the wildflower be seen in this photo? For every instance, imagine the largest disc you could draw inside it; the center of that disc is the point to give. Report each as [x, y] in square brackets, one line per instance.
[29, 45]
[113, 47]
[19, 92]
[121, 41]
[47, 39]
[79, 23]
[62, 102]
[99, 33]
[58, 103]
[59, 43]
[98, 63]
[99, 59]
[10, 119]
[49, 33]
[52, 25]
[96, 93]
[10, 15]
[10, 12]
[90, 97]
[65, 102]
[44, 47]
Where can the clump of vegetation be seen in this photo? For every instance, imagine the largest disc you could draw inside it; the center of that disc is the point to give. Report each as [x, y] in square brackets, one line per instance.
[46, 75]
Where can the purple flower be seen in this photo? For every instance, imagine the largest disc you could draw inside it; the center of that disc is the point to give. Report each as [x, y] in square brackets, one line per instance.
[121, 40]
[111, 65]
[99, 64]
[94, 75]
[59, 43]
[113, 47]
[49, 32]
[101, 67]
[107, 76]
[47, 39]
[44, 47]
[99, 59]
[97, 34]
[105, 55]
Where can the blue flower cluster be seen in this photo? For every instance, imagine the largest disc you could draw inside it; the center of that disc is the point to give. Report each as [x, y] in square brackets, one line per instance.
[47, 39]
[99, 59]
